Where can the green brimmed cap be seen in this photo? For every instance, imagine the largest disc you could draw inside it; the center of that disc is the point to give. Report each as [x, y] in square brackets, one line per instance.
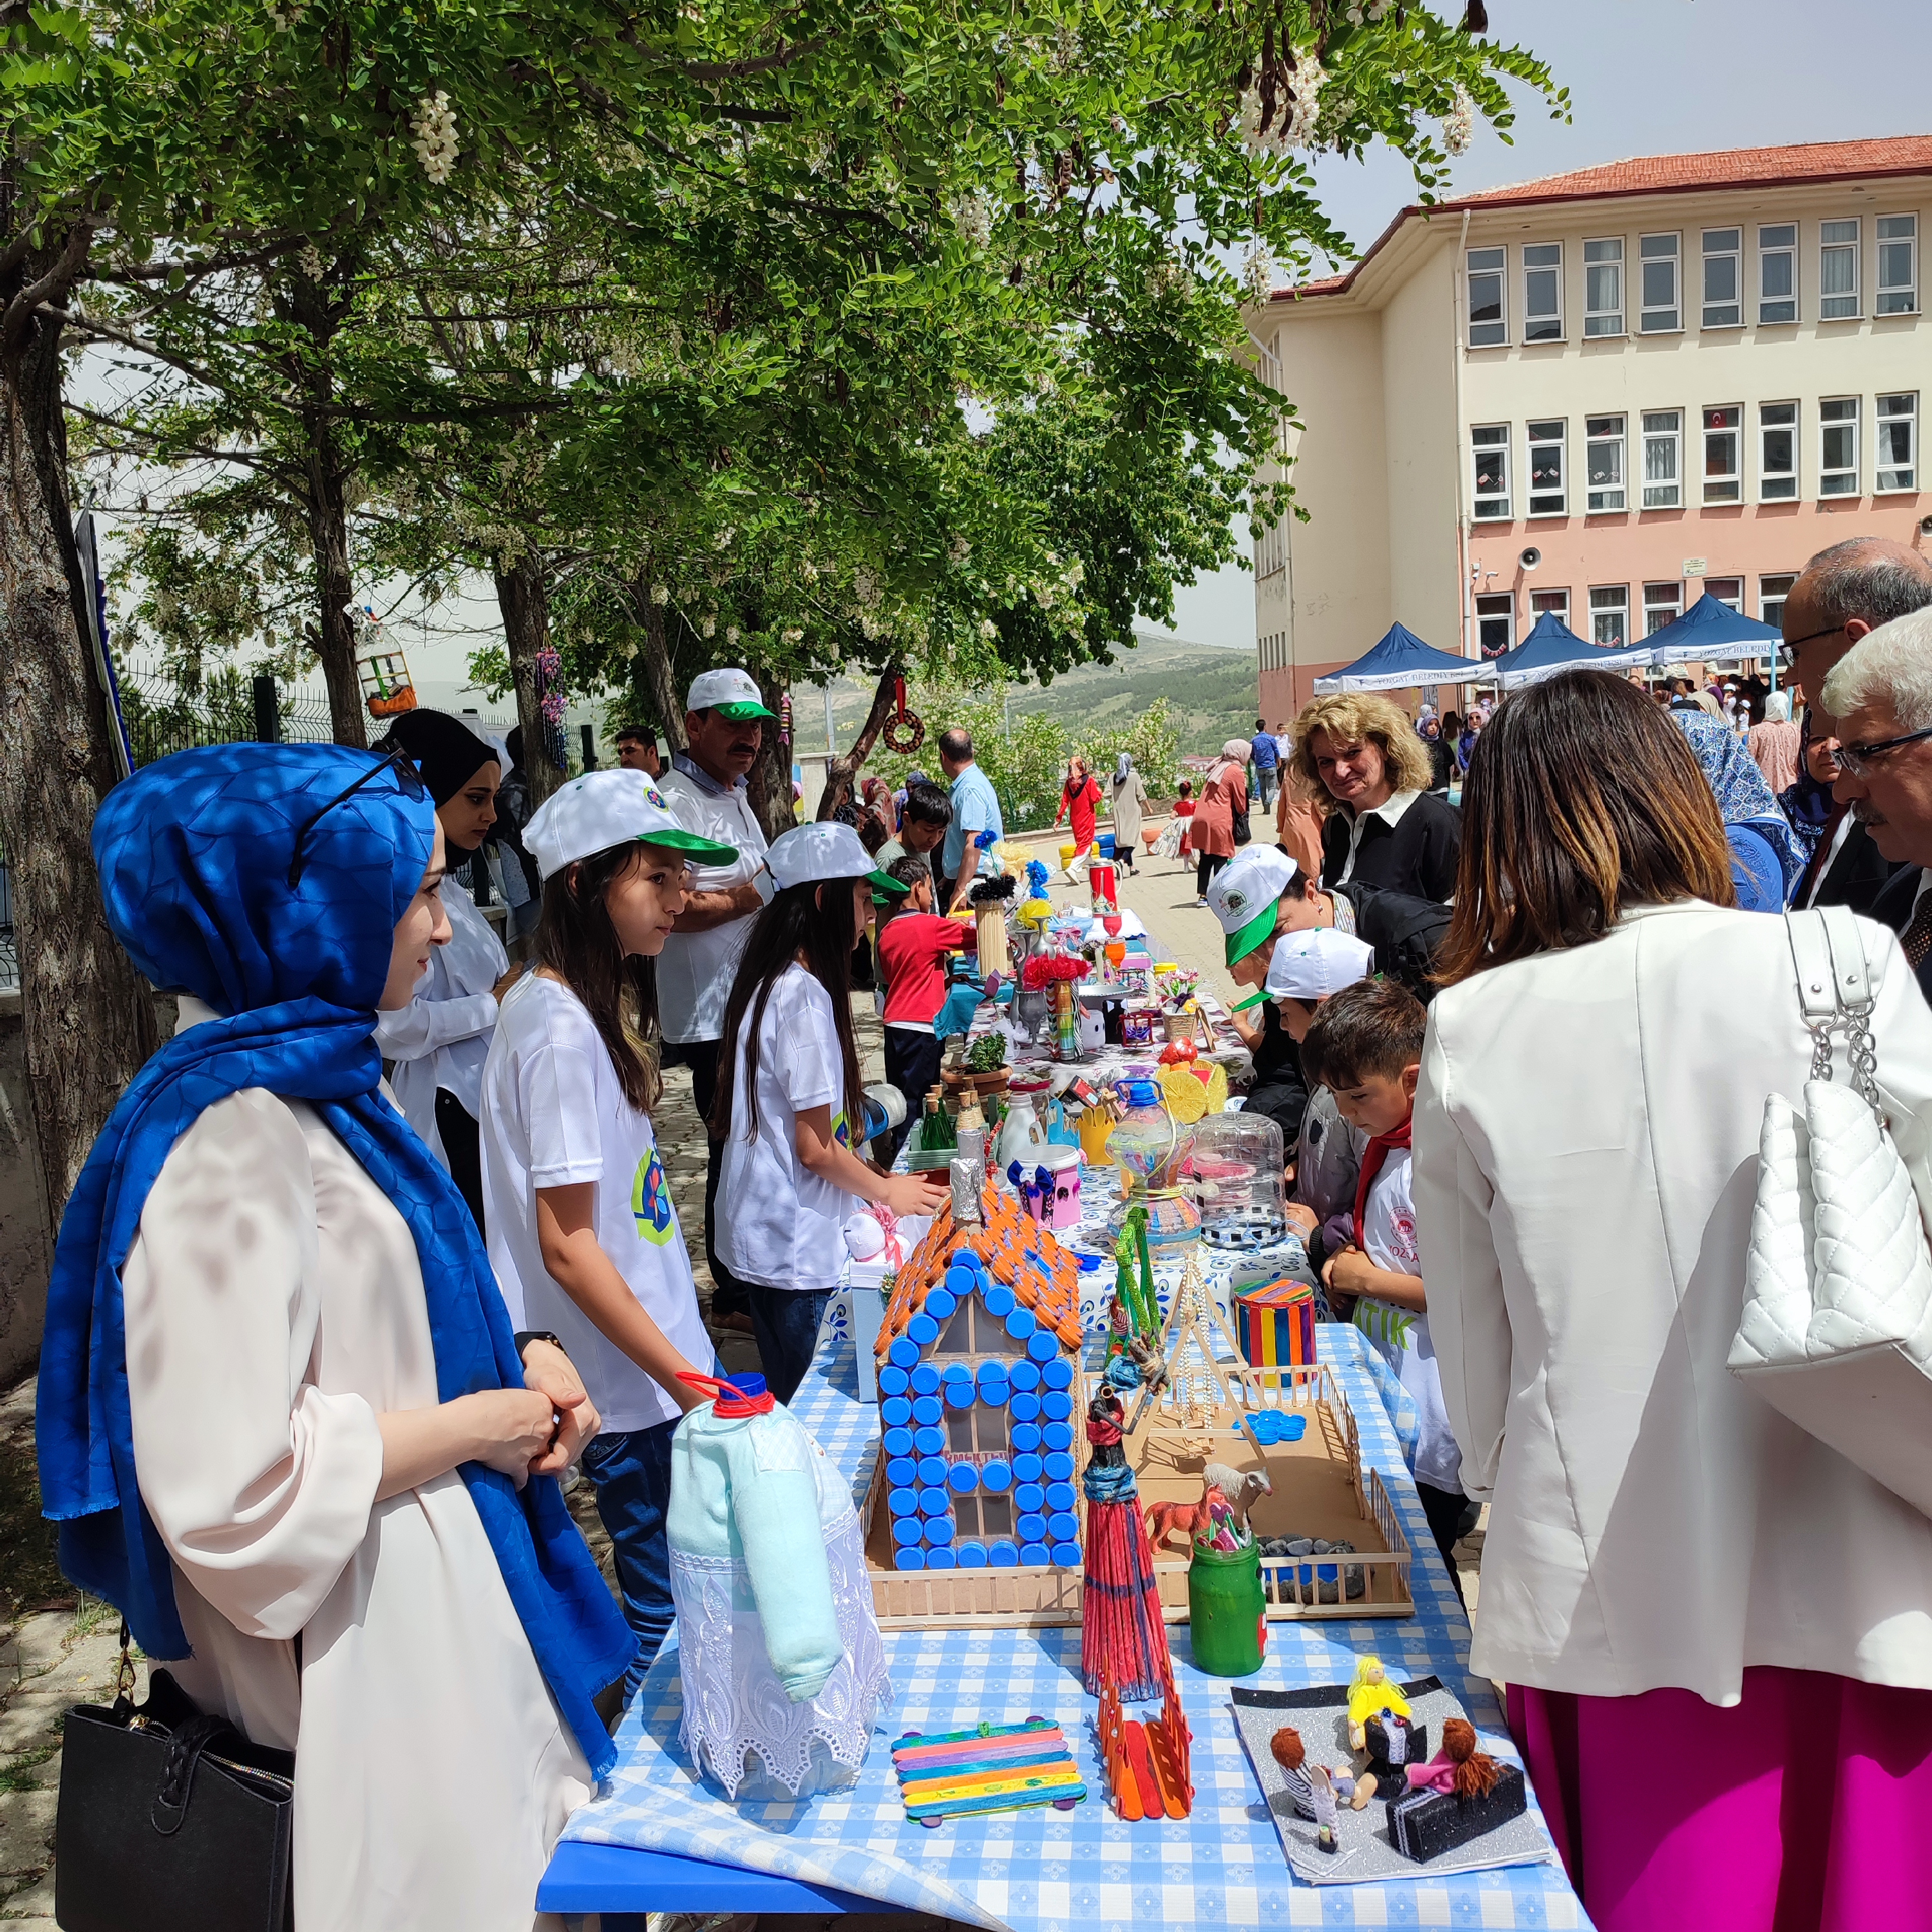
[591, 814]
[1244, 895]
[735, 693]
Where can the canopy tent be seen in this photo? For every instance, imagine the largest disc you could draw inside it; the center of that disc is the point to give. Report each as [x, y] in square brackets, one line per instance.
[1552, 646]
[1709, 631]
[1400, 662]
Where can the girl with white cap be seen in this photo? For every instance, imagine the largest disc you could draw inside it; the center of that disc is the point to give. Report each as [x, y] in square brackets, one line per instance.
[788, 1092]
[582, 1231]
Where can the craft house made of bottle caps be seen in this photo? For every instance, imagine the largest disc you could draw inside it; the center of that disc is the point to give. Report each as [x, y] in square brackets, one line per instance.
[980, 1399]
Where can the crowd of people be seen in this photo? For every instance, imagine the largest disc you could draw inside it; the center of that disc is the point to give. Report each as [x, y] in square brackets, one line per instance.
[314, 1357]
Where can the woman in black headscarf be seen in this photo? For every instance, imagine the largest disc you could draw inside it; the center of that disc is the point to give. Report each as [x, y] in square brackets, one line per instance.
[439, 1041]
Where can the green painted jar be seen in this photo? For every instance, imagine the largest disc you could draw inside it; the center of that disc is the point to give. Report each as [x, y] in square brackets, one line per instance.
[1227, 1613]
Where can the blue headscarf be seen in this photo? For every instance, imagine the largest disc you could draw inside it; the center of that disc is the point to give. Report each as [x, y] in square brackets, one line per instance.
[1744, 799]
[194, 856]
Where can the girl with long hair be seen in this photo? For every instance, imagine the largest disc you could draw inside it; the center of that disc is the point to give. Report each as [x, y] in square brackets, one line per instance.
[789, 1102]
[582, 1230]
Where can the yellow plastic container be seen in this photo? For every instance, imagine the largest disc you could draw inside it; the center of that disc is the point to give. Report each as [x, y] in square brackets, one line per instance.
[1094, 1125]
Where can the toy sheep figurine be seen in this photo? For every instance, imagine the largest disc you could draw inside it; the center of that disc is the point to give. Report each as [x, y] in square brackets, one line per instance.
[1242, 1487]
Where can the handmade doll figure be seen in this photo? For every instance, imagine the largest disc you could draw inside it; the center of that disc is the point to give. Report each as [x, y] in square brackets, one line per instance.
[1392, 1744]
[1371, 1692]
[1316, 1789]
[1458, 1766]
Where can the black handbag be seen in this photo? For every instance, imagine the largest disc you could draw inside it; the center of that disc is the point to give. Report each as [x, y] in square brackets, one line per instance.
[1242, 832]
[170, 1820]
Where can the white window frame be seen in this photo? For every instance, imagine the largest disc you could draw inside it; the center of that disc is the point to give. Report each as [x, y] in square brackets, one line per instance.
[1542, 601]
[1610, 610]
[1656, 612]
[1904, 476]
[1713, 587]
[1479, 262]
[1771, 591]
[1772, 483]
[1595, 439]
[1499, 442]
[1727, 314]
[1850, 247]
[1768, 251]
[1668, 496]
[1546, 325]
[1599, 319]
[1830, 482]
[1646, 308]
[1723, 486]
[1891, 296]
[1501, 611]
[1549, 503]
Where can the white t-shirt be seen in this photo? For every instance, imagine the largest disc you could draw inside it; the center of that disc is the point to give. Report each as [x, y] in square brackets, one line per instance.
[554, 1115]
[1399, 1335]
[778, 1224]
[695, 970]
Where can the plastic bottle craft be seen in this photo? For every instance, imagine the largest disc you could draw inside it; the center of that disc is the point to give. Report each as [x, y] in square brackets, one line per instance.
[778, 1647]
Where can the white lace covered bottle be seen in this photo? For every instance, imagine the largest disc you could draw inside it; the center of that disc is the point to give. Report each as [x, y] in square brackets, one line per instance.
[779, 1650]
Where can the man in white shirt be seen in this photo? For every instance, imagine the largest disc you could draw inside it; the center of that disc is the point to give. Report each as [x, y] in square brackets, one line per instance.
[706, 791]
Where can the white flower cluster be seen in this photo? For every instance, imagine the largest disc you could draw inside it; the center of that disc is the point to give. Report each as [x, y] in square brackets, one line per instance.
[660, 595]
[866, 587]
[1458, 124]
[285, 15]
[1257, 274]
[1369, 10]
[707, 626]
[988, 629]
[973, 215]
[1167, 277]
[1293, 125]
[731, 638]
[435, 142]
[794, 637]
[309, 256]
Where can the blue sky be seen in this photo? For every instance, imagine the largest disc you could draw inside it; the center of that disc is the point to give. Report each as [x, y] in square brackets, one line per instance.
[1646, 77]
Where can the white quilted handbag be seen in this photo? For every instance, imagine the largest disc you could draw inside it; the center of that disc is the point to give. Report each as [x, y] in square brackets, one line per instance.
[1837, 1330]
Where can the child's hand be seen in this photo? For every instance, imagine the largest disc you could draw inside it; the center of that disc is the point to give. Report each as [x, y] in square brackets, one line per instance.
[1348, 1271]
[909, 1194]
[1303, 1220]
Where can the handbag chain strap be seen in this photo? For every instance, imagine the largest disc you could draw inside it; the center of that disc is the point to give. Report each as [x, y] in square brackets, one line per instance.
[1835, 992]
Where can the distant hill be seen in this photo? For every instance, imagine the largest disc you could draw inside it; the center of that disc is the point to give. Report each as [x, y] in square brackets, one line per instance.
[1210, 692]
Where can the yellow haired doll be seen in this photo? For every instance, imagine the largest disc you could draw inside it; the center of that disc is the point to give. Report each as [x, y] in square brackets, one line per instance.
[1371, 1692]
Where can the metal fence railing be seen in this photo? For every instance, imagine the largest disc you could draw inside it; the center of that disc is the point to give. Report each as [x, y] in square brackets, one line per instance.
[164, 715]
[10, 956]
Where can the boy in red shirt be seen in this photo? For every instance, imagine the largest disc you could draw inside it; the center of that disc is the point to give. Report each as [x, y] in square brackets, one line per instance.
[915, 944]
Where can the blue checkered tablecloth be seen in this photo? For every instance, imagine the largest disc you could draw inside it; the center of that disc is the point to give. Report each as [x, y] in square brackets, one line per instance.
[1050, 1871]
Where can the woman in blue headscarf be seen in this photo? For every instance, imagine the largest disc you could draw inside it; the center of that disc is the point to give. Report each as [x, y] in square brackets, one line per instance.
[282, 1420]
[1767, 858]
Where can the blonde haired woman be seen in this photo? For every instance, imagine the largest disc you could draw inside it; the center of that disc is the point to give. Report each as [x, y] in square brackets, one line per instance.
[1385, 828]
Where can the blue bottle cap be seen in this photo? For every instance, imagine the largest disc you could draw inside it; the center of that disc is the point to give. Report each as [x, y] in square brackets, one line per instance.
[1066, 1556]
[901, 1471]
[904, 1353]
[1035, 1554]
[1042, 1347]
[893, 1380]
[927, 1409]
[1058, 1373]
[934, 1502]
[956, 1372]
[939, 1304]
[1029, 1499]
[1032, 1527]
[1059, 1467]
[972, 1555]
[1062, 1526]
[1027, 1467]
[999, 1299]
[898, 1442]
[1294, 1429]
[1003, 1554]
[1020, 1324]
[907, 1531]
[1056, 1405]
[995, 1478]
[932, 1470]
[994, 1394]
[1060, 1495]
[959, 1281]
[895, 1410]
[921, 1330]
[748, 1383]
[939, 1531]
[1026, 1438]
[961, 1395]
[963, 1478]
[908, 1556]
[941, 1558]
[992, 1372]
[1025, 1376]
[902, 1501]
[1056, 1436]
[929, 1442]
[1025, 1408]
[924, 1379]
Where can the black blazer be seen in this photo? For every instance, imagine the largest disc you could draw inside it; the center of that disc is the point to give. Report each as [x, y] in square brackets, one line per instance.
[1893, 907]
[1855, 876]
[1416, 855]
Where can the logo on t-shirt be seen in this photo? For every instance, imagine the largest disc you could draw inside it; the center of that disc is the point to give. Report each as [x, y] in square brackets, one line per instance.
[650, 1201]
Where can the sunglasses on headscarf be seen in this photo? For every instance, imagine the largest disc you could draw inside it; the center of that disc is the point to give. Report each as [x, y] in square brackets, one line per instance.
[407, 782]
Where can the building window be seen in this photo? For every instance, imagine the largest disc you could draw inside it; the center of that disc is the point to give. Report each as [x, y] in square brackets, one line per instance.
[1777, 451]
[1777, 273]
[1543, 291]
[1838, 447]
[1895, 422]
[1604, 286]
[1271, 549]
[1728, 591]
[1723, 278]
[1656, 263]
[1771, 592]
[1609, 614]
[1549, 603]
[1898, 265]
[1838, 270]
[1603, 456]
[1490, 448]
[1663, 603]
[1724, 438]
[1495, 624]
[1548, 492]
[1488, 323]
[1662, 465]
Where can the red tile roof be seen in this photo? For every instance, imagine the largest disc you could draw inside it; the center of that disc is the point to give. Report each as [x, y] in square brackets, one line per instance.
[1669, 174]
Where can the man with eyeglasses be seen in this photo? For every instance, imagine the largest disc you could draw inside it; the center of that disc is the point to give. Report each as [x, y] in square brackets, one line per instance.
[1845, 593]
[1880, 693]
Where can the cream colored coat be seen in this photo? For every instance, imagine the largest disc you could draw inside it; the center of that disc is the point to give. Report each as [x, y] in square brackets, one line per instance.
[1585, 1153]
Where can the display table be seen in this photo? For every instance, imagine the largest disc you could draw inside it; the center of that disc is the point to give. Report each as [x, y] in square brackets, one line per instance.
[657, 1840]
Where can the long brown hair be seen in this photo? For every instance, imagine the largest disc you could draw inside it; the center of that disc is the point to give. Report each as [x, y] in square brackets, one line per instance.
[1583, 800]
[577, 941]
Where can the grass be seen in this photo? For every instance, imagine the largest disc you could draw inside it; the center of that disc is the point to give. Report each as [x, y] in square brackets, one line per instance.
[30, 1573]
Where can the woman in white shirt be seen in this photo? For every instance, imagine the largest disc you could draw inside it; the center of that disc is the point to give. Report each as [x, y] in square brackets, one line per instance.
[788, 1093]
[1717, 1632]
[438, 1042]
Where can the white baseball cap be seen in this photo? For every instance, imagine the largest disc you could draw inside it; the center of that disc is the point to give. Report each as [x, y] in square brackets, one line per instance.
[827, 850]
[1244, 895]
[1312, 964]
[736, 693]
[601, 809]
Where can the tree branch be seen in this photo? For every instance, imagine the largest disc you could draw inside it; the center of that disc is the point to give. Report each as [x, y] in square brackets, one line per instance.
[58, 280]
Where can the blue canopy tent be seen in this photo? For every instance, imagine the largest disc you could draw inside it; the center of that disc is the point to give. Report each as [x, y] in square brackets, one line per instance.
[1710, 631]
[1552, 646]
[1401, 661]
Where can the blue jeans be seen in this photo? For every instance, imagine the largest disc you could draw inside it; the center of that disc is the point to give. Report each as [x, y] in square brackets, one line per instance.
[630, 1470]
[785, 1321]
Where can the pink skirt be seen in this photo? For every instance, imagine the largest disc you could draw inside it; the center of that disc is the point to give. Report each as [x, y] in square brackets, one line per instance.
[1798, 1810]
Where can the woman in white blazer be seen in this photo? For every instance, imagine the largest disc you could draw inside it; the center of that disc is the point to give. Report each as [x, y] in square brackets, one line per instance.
[1716, 1632]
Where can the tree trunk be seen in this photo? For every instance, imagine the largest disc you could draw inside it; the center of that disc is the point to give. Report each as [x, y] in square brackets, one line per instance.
[768, 781]
[655, 655]
[842, 771]
[88, 1017]
[524, 597]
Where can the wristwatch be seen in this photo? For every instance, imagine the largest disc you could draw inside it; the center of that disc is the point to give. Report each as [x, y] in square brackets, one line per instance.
[525, 1337]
